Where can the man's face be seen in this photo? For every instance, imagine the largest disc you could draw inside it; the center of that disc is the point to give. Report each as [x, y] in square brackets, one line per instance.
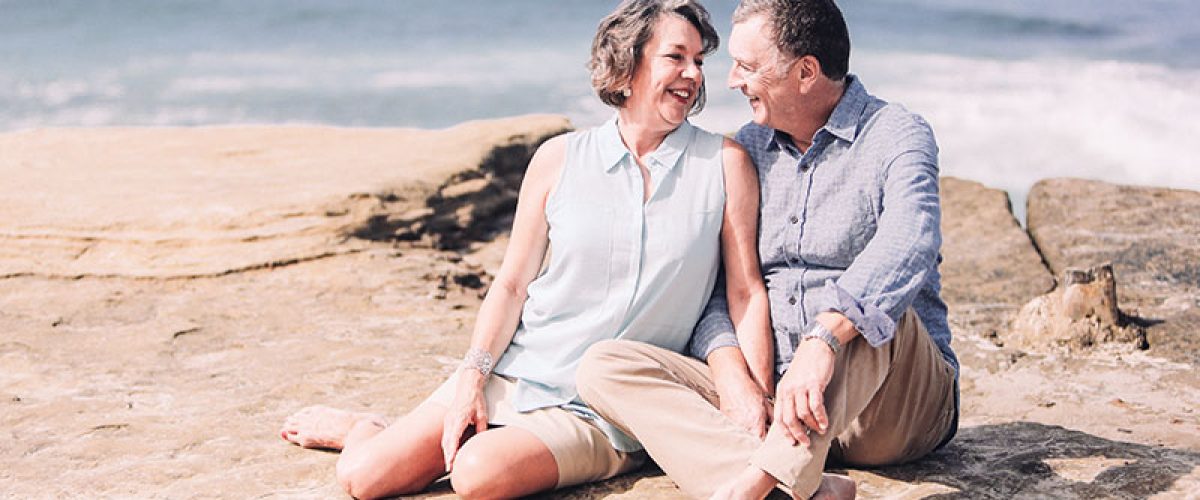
[774, 96]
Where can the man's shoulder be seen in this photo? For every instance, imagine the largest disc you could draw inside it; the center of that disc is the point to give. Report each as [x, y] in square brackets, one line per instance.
[754, 137]
[892, 123]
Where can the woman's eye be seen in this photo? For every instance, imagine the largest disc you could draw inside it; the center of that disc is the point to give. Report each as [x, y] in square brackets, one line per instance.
[675, 57]
[699, 62]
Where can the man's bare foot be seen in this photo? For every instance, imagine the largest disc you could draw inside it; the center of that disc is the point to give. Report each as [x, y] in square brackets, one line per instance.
[325, 427]
[835, 487]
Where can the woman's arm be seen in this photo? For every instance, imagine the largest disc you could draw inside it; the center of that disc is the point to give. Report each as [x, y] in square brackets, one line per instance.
[743, 375]
[747, 296]
[501, 308]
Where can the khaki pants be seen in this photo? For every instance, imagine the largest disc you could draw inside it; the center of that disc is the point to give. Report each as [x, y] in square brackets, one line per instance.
[886, 405]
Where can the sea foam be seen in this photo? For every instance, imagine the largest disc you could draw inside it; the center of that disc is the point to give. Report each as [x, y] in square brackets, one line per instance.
[1010, 123]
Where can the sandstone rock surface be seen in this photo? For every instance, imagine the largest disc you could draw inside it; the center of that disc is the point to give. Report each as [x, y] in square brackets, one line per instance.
[988, 257]
[142, 375]
[990, 268]
[161, 202]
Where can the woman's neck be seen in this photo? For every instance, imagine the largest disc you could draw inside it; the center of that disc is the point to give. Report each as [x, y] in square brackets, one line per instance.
[640, 137]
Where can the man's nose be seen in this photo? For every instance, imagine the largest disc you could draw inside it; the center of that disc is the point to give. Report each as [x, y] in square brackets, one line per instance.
[735, 79]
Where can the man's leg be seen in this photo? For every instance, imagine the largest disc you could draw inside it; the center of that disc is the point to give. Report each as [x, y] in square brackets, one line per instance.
[668, 402]
[911, 414]
[885, 405]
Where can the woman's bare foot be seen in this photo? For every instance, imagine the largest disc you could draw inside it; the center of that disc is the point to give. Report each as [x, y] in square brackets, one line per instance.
[325, 427]
[835, 487]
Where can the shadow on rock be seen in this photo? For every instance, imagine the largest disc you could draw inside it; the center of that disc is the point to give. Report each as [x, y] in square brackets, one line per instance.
[475, 205]
[1026, 459]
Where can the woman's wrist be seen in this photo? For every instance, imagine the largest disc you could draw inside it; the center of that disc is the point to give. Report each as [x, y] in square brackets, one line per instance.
[478, 360]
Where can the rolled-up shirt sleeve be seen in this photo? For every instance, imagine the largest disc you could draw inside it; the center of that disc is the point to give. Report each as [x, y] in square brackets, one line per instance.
[885, 278]
[715, 329]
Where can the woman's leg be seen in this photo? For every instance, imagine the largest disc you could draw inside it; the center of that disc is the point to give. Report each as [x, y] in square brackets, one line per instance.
[406, 457]
[505, 462]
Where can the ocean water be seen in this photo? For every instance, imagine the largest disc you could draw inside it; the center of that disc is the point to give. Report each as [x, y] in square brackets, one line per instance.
[1016, 90]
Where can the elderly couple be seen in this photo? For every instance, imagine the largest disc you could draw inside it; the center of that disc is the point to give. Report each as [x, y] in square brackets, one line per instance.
[742, 312]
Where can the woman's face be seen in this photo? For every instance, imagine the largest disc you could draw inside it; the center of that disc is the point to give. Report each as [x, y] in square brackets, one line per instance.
[667, 80]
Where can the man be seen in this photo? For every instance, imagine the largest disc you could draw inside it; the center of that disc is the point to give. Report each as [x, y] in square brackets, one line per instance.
[849, 246]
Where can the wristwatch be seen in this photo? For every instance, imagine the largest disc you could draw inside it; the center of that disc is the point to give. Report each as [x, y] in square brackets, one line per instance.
[818, 331]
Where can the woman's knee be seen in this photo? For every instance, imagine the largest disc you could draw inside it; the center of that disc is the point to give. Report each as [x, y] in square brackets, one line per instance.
[362, 477]
[503, 463]
[475, 473]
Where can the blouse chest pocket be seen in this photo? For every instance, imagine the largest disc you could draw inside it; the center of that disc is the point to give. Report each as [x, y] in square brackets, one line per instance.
[679, 234]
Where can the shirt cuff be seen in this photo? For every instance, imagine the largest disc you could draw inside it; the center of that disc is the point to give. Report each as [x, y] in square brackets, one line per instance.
[874, 324]
[712, 334]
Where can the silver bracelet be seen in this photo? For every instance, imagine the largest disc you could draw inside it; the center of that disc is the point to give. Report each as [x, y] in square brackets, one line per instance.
[478, 359]
[818, 331]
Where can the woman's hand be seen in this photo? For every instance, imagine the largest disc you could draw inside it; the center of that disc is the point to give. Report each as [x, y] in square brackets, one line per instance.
[468, 410]
[741, 399]
[745, 404]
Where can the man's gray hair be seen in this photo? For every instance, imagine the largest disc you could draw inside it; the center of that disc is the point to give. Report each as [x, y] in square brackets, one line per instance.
[801, 28]
[623, 34]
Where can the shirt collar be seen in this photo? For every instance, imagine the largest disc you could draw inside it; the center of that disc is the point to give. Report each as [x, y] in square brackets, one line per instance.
[613, 150]
[842, 123]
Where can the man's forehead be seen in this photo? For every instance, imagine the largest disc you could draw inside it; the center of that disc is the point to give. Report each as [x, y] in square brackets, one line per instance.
[748, 43]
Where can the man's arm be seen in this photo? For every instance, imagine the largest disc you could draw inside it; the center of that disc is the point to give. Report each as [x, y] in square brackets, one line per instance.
[715, 329]
[878, 286]
[886, 276]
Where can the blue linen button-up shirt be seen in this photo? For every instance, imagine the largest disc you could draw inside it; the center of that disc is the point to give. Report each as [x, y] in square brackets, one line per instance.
[851, 225]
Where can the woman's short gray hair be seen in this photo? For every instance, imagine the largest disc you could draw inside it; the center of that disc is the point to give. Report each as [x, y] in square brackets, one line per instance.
[622, 36]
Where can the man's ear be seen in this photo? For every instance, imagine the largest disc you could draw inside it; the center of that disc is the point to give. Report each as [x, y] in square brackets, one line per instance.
[808, 70]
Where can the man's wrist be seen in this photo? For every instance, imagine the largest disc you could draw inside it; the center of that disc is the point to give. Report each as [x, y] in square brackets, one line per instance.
[819, 332]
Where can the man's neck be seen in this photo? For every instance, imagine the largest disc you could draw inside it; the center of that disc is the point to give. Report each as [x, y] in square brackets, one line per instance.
[825, 98]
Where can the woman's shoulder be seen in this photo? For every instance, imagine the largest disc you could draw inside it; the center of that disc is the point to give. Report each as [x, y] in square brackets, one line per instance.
[705, 144]
[722, 144]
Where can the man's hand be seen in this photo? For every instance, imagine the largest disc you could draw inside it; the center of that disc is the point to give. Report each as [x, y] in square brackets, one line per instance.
[800, 395]
[743, 402]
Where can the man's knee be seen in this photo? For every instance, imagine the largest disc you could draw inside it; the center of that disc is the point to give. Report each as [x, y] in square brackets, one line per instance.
[601, 365]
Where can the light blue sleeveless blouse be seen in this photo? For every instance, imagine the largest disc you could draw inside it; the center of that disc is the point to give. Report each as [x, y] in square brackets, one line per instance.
[619, 268]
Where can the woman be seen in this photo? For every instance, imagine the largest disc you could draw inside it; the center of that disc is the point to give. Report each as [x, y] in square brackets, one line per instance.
[637, 212]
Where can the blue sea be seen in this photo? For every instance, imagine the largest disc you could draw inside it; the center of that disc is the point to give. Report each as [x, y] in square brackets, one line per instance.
[1017, 90]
